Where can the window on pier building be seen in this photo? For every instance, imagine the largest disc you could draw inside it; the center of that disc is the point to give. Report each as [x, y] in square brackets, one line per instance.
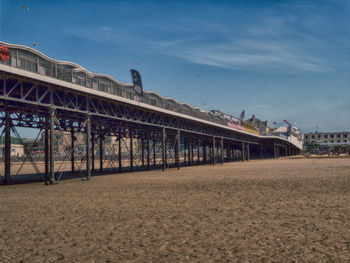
[27, 65]
[169, 105]
[27, 61]
[128, 94]
[103, 85]
[332, 136]
[64, 72]
[94, 83]
[79, 78]
[88, 82]
[116, 89]
[46, 68]
[338, 135]
[325, 136]
[153, 102]
[185, 109]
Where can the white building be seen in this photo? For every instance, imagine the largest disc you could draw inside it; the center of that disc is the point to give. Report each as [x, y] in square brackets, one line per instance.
[16, 150]
[328, 138]
[327, 142]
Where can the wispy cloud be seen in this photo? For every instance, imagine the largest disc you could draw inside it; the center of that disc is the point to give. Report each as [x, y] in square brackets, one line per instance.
[267, 42]
[243, 54]
[101, 34]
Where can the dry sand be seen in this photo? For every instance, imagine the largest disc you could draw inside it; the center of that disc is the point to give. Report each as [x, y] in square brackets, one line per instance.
[263, 211]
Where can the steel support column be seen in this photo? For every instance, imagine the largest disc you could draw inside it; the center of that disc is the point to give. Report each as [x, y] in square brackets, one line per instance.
[88, 149]
[204, 152]
[213, 152]
[72, 138]
[148, 153]
[143, 152]
[185, 151]
[52, 147]
[120, 150]
[191, 145]
[228, 153]
[131, 151]
[154, 152]
[198, 156]
[222, 150]
[166, 151]
[46, 145]
[210, 154]
[7, 148]
[93, 149]
[189, 153]
[279, 152]
[163, 148]
[177, 149]
[243, 152]
[248, 151]
[101, 151]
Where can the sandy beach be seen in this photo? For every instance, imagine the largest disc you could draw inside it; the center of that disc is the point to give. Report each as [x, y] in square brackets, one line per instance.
[286, 210]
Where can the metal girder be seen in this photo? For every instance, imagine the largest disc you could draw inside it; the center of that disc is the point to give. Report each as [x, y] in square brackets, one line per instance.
[27, 91]
[26, 102]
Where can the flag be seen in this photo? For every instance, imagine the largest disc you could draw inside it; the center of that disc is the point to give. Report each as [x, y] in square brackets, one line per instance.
[274, 123]
[136, 78]
[242, 115]
[287, 122]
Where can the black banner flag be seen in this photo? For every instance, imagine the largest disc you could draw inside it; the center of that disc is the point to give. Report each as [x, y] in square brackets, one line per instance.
[136, 78]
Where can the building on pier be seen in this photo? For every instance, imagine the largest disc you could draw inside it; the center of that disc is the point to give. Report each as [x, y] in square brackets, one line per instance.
[262, 126]
[66, 101]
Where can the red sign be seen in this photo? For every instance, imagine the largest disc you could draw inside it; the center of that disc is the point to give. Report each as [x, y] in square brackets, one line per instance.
[235, 126]
[4, 53]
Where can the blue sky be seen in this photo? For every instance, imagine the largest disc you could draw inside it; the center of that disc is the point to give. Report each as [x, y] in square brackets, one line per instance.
[275, 59]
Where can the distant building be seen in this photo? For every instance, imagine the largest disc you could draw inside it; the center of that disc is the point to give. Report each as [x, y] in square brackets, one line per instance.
[291, 133]
[30, 145]
[261, 126]
[225, 116]
[16, 150]
[319, 141]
